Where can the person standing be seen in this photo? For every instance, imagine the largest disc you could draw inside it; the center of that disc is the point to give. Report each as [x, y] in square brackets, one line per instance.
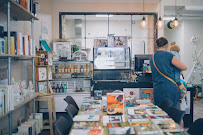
[165, 62]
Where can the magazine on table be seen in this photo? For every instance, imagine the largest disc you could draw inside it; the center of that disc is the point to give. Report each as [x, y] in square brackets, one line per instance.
[113, 119]
[85, 125]
[95, 130]
[156, 112]
[150, 129]
[168, 125]
[121, 131]
[87, 118]
[137, 118]
[132, 111]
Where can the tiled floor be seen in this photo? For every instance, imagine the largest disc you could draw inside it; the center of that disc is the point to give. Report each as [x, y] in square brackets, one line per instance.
[198, 109]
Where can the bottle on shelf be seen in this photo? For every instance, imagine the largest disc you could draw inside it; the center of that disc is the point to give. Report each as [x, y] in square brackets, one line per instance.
[84, 68]
[63, 68]
[65, 88]
[66, 68]
[72, 69]
[81, 68]
[53, 87]
[56, 68]
[59, 69]
[78, 68]
[57, 88]
[75, 68]
[69, 68]
[61, 89]
[88, 68]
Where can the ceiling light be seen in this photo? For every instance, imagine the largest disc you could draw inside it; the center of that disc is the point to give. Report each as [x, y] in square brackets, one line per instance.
[160, 24]
[175, 24]
[143, 23]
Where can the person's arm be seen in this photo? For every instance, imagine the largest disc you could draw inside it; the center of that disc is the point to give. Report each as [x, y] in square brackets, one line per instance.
[177, 63]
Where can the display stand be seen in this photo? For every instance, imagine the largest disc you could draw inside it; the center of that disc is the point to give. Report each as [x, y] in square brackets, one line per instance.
[18, 13]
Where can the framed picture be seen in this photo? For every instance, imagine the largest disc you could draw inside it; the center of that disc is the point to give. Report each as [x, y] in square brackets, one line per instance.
[120, 41]
[147, 93]
[132, 93]
[100, 43]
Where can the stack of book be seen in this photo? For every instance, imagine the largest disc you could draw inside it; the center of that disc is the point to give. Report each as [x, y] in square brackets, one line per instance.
[86, 125]
[7, 101]
[31, 126]
[29, 5]
[20, 44]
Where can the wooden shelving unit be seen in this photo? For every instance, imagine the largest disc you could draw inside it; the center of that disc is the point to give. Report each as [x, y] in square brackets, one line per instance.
[38, 53]
[15, 11]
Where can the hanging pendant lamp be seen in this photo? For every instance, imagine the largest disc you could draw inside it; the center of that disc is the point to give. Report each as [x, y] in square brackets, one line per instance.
[160, 22]
[143, 23]
[176, 23]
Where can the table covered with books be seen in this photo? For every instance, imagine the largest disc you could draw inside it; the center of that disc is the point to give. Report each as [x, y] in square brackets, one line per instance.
[116, 114]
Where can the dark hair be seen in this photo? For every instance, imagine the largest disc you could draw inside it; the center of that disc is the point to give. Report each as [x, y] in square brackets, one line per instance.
[162, 41]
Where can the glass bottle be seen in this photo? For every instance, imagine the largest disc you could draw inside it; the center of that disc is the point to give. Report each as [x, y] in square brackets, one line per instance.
[59, 69]
[56, 68]
[53, 87]
[61, 89]
[75, 68]
[84, 68]
[81, 68]
[57, 88]
[72, 69]
[65, 88]
[88, 68]
[66, 68]
[62, 68]
[69, 68]
[78, 68]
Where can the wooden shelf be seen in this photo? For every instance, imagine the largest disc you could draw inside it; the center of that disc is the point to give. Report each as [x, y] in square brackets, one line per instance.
[20, 105]
[16, 56]
[42, 65]
[17, 11]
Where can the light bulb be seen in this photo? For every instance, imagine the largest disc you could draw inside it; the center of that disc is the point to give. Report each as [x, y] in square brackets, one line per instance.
[160, 24]
[175, 24]
[143, 23]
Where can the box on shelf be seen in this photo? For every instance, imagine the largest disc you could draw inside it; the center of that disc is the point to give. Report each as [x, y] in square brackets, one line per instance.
[42, 73]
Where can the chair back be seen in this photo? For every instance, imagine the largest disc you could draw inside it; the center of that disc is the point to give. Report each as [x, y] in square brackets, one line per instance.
[71, 110]
[176, 114]
[167, 103]
[70, 100]
[196, 128]
[63, 126]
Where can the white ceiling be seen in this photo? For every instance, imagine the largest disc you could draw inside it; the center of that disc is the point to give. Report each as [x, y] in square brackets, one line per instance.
[146, 1]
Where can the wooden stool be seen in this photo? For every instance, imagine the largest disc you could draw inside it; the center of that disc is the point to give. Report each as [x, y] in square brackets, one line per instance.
[51, 109]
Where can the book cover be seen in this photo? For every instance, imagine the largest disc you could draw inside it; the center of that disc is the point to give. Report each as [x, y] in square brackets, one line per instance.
[150, 129]
[87, 118]
[42, 87]
[83, 125]
[168, 125]
[45, 46]
[113, 119]
[156, 112]
[137, 117]
[121, 131]
[13, 42]
[42, 73]
[147, 94]
[132, 111]
[115, 103]
[132, 93]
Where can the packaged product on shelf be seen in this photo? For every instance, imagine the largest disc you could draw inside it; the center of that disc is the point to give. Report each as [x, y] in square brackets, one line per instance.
[84, 68]
[56, 68]
[65, 88]
[78, 68]
[72, 69]
[75, 68]
[66, 68]
[63, 69]
[81, 68]
[59, 69]
[69, 69]
[88, 68]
